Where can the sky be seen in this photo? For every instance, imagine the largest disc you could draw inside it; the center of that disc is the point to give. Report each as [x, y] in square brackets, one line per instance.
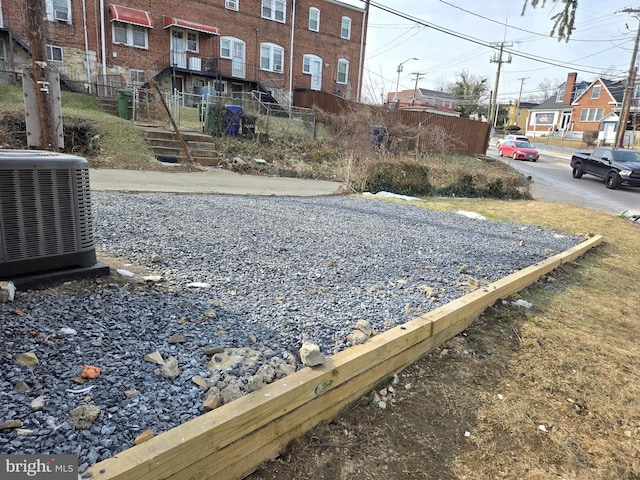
[600, 45]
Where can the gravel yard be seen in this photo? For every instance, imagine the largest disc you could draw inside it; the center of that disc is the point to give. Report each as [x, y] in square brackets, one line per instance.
[238, 283]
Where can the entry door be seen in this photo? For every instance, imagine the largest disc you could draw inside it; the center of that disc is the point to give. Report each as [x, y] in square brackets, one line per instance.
[179, 49]
[566, 119]
[178, 83]
[237, 59]
[3, 58]
[315, 68]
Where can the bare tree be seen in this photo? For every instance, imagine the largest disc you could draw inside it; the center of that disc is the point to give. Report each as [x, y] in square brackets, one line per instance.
[610, 72]
[547, 88]
[563, 21]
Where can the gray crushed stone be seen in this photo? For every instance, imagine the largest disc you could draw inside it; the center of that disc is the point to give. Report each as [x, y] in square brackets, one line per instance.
[276, 272]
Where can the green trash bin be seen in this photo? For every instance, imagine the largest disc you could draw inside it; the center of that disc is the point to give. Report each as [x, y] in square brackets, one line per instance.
[125, 103]
[215, 115]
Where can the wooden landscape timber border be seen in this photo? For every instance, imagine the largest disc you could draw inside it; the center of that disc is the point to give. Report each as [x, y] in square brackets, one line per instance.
[233, 440]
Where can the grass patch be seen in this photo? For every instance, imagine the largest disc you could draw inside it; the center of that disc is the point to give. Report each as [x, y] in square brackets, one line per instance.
[108, 141]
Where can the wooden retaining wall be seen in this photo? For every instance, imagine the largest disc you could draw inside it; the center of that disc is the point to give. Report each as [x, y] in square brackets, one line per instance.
[233, 440]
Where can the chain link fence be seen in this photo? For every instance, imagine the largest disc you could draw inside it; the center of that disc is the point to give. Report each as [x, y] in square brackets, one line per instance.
[240, 114]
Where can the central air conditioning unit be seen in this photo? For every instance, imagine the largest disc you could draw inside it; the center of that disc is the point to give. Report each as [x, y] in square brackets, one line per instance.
[46, 222]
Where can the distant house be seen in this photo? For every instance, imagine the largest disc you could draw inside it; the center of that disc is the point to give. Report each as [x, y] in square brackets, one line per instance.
[423, 99]
[555, 114]
[519, 113]
[602, 99]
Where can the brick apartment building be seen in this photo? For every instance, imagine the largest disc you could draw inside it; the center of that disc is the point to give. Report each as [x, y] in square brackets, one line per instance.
[273, 46]
[423, 99]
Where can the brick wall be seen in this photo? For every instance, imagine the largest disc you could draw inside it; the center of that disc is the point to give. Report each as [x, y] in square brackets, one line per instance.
[246, 24]
[604, 101]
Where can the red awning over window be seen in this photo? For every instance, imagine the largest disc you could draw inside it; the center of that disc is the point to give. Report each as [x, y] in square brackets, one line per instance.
[178, 22]
[130, 15]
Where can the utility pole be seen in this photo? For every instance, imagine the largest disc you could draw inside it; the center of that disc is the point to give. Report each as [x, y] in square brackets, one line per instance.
[37, 40]
[415, 88]
[628, 88]
[497, 58]
[522, 79]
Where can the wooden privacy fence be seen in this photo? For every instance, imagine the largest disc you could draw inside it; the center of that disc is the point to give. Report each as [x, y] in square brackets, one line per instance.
[233, 440]
[463, 136]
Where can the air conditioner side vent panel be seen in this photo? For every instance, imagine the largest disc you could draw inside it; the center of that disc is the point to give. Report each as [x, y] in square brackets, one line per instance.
[45, 212]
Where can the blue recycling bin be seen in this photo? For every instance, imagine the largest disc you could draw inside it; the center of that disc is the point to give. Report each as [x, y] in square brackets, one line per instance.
[232, 120]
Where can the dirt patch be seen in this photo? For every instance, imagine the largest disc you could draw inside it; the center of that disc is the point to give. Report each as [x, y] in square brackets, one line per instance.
[417, 424]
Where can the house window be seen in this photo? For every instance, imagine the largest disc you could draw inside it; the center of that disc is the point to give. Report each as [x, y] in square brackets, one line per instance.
[231, 4]
[128, 34]
[343, 71]
[273, 10]
[58, 10]
[314, 19]
[234, 49]
[591, 114]
[307, 60]
[560, 96]
[136, 77]
[595, 93]
[54, 53]
[271, 57]
[345, 31]
[192, 41]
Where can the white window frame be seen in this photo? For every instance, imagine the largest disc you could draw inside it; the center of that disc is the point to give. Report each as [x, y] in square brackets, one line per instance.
[345, 28]
[272, 51]
[314, 17]
[595, 92]
[192, 41]
[343, 62]
[232, 4]
[306, 62]
[275, 10]
[591, 114]
[57, 10]
[560, 94]
[136, 77]
[226, 46]
[1, 21]
[50, 53]
[130, 30]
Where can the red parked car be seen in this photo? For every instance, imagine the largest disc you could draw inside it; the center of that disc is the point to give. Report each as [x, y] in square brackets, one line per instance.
[518, 150]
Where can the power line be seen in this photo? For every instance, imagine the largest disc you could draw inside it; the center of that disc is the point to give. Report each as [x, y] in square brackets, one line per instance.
[535, 58]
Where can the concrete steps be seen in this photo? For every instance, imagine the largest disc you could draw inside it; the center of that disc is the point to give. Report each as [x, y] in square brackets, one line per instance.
[167, 146]
[108, 105]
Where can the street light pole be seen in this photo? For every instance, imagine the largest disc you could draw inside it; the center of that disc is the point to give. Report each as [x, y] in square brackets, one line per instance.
[395, 99]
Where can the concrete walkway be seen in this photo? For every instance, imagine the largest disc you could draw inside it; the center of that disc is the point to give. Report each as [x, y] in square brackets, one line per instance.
[210, 181]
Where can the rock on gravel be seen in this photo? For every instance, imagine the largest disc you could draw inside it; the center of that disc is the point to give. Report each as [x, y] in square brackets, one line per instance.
[271, 274]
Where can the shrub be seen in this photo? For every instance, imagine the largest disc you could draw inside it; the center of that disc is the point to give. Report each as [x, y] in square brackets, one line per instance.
[403, 178]
[590, 137]
[512, 128]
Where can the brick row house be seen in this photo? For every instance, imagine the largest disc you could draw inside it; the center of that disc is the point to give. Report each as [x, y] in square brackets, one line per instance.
[580, 107]
[423, 99]
[232, 46]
